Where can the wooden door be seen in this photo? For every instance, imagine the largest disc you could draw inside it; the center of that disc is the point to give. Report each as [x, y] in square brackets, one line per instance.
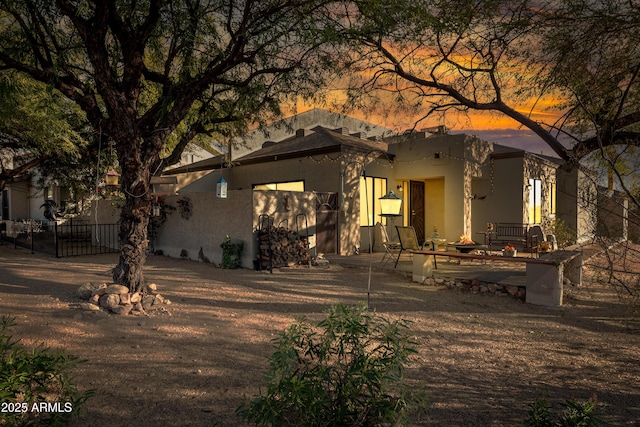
[416, 206]
[327, 223]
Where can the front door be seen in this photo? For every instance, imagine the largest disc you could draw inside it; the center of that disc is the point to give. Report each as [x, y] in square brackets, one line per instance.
[416, 206]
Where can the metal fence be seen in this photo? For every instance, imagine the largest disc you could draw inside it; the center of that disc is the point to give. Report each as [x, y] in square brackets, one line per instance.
[61, 238]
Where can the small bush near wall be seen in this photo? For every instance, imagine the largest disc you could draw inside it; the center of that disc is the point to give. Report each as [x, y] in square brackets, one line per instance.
[231, 253]
[565, 236]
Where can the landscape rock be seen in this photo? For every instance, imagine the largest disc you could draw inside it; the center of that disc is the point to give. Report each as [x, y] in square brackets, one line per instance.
[109, 301]
[89, 307]
[86, 290]
[147, 301]
[116, 289]
[125, 299]
[101, 290]
[122, 309]
[512, 290]
[135, 297]
[116, 298]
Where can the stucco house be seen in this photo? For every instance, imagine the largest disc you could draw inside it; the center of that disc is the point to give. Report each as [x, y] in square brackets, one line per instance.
[21, 198]
[333, 179]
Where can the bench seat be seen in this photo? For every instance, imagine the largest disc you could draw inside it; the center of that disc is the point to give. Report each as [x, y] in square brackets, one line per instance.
[512, 233]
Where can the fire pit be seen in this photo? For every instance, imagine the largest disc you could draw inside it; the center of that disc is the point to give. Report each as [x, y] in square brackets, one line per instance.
[466, 245]
[465, 249]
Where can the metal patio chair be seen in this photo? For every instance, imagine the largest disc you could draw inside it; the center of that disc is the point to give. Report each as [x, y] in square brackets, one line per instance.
[390, 248]
[408, 240]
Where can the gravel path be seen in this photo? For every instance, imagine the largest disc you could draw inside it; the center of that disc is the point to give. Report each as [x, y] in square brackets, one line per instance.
[482, 358]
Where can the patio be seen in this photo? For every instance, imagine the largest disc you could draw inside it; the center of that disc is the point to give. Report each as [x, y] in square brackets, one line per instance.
[501, 273]
[495, 272]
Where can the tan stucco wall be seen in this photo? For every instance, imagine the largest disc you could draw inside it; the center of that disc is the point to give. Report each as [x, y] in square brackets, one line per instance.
[435, 205]
[320, 174]
[103, 212]
[613, 216]
[577, 196]
[507, 199]
[504, 186]
[208, 226]
[459, 159]
[213, 219]
[20, 203]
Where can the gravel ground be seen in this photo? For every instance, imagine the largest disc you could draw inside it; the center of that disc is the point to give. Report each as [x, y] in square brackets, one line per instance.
[483, 358]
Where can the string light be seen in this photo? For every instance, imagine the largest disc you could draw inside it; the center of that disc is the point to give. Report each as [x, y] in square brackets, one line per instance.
[379, 161]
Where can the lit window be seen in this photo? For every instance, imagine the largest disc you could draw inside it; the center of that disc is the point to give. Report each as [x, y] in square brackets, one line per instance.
[369, 203]
[535, 201]
[282, 186]
[552, 198]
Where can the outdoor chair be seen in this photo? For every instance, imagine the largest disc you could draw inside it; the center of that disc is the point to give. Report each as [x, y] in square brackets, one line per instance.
[408, 241]
[390, 248]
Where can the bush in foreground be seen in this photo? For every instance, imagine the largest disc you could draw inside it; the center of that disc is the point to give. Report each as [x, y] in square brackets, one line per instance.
[348, 370]
[575, 414]
[35, 385]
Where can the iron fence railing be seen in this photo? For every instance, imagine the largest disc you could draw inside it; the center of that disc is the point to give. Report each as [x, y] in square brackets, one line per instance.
[61, 238]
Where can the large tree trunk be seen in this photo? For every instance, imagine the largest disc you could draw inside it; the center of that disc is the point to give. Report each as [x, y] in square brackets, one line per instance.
[134, 220]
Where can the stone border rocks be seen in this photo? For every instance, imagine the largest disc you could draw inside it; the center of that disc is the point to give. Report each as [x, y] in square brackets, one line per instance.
[479, 287]
[101, 299]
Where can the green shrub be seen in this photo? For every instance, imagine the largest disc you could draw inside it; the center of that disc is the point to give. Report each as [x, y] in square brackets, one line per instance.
[231, 253]
[348, 371]
[565, 235]
[35, 385]
[576, 414]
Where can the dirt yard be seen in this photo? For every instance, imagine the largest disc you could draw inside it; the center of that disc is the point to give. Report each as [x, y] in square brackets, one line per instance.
[483, 358]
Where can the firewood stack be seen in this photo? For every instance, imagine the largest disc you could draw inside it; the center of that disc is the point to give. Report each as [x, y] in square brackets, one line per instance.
[287, 247]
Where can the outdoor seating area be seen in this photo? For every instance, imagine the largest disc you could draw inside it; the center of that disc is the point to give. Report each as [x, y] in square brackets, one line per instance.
[544, 276]
[503, 233]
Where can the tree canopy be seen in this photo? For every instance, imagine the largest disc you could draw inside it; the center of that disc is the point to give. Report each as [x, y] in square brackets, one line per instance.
[577, 60]
[152, 75]
[38, 126]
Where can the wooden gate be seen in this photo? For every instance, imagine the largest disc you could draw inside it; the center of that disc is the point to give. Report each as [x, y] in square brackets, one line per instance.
[327, 223]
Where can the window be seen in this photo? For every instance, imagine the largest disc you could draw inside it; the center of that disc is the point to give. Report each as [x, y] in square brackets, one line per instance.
[370, 192]
[552, 198]
[282, 186]
[535, 201]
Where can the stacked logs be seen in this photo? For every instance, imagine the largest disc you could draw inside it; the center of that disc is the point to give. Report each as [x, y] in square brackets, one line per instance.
[279, 246]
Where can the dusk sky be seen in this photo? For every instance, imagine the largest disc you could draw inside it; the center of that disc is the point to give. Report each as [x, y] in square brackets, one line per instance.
[490, 126]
